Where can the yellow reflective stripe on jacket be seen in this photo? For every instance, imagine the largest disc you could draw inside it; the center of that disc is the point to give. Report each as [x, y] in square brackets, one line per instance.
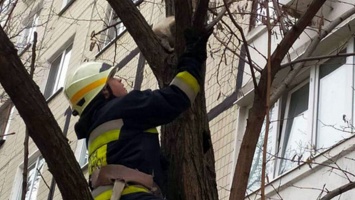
[134, 189]
[106, 194]
[187, 83]
[103, 139]
[151, 130]
[97, 159]
[107, 126]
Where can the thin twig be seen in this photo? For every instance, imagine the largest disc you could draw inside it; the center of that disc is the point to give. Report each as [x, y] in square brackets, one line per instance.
[245, 42]
[27, 137]
[13, 133]
[317, 58]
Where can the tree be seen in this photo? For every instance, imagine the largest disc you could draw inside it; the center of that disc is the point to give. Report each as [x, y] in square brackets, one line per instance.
[41, 124]
[198, 152]
[186, 142]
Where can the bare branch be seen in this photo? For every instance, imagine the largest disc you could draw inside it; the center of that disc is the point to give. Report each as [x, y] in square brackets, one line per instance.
[338, 55]
[13, 133]
[315, 41]
[245, 42]
[338, 191]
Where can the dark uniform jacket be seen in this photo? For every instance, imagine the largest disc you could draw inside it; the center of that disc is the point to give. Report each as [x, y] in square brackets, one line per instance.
[131, 138]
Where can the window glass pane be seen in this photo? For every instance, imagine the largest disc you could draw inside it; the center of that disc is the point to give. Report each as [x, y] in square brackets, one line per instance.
[113, 32]
[26, 35]
[32, 29]
[65, 2]
[5, 7]
[335, 102]
[57, 73]
[83, 157]
[5, 111]
[64, 68]
[254, 181]
[33, 179]
[51, 81]
[260, 16]
[297, 138]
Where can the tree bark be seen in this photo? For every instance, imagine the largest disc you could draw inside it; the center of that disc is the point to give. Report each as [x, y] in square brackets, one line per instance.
[186, 142]
[42, 126]
[258, 110]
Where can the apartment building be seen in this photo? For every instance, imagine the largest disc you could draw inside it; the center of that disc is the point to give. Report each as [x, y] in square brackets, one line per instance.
[310, 140]
[71, 32]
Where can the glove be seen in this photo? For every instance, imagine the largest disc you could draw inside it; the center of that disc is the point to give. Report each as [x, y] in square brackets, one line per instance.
[196, 42]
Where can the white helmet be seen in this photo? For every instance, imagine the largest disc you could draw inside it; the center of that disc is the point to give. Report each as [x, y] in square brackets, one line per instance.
[85, 83]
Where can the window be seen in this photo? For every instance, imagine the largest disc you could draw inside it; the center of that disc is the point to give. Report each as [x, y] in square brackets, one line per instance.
[5, 112]
[34, 170]
[81, 153]
[5, 7]
[254, 181]
[335, 102]
[65, 3]
[33, 178]
[26, 34]
[259, 15]
[114, 28]
[311, 118]
[295, 136]
[57, 72]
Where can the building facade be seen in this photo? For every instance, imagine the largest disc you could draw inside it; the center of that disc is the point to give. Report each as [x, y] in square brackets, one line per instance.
[310, 137]
[310, 142]
[71, 32]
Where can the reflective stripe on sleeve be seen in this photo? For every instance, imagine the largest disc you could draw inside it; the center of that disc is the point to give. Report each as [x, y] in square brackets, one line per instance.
[187, 83]
[151, 130]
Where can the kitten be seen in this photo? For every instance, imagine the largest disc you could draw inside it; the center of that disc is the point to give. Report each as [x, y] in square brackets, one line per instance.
[165, 30]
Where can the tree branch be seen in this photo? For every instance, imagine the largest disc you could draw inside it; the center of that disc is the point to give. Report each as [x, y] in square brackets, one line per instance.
[245, 42]
[315, 41]
[317, 58]
[141, 32]
[39, 120]
[338, 191]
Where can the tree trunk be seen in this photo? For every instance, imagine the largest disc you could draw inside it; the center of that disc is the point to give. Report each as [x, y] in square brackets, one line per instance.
[186, 143]
[42, 126]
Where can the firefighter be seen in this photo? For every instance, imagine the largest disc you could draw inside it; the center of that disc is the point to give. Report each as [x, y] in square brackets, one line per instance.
[120, 127]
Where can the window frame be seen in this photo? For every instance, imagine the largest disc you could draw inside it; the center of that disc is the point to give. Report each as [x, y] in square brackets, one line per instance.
[8, 108]
[350, 60]
[17, 185]
[65, 5]
[30, 25]
[272, 145]
[60, 72]
[81, 153]
[309, 76]
[114, 31]
[282, 134]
